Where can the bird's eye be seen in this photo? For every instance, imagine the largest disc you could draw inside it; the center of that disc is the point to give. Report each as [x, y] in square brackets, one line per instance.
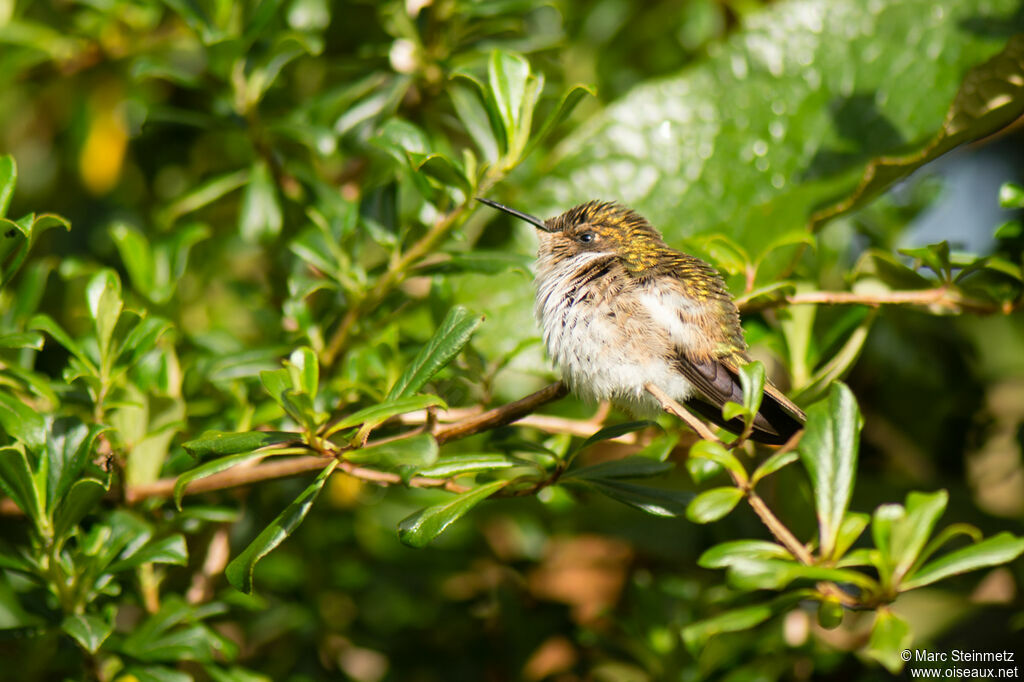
[586, 237]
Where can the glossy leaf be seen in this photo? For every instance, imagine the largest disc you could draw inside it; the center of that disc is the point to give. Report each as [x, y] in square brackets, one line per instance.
[217, 443]
[210, 468]
[418, 529]
[18, 482]
[90, 631]
[656, 501]
[168, 550]
[8, 180]
[239, 572]
[996, 550]
[776, 462]
[20, 421]
[752, 380]
[260, 217]
[81, 498]
[31, 340]
[628, 467]
[828, 450]
[457, 465]
[727, 553]
[890, 636]
[727, 142]
[508, 76]
[615, 431]
[103, 294]
[405, 455]
[454, 333]
[710, 450]
[713, 504]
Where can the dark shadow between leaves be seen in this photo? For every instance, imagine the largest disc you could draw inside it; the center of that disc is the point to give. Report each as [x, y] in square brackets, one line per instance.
[868, 132]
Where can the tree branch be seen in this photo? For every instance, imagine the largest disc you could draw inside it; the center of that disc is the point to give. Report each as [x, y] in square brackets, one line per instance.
[294, 466]
[942, 297]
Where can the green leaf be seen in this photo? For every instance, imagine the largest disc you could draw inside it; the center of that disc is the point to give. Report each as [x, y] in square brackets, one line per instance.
[169, 550]
[103, 294]
[209, 469]
[777, 461]
[22, 422]
[752, 380]
[204, 194]
[726, 554]
[143, 338]
[838, 365]
[713, 504]
[508, 74]
[988, 98]
[942, 538]
[850, 529]
[221, 443]
[568, 102]
[18, 483]
[378, 414]
[1011, 195]
[18, 236]
[999, 549]
[260, 217]
[756, 573]
[656, 501]
[702, 470]
[454, 333]
[710, 450]
[475, 118]
[406, 455]
[418, 529]
[786, 116]
[634, 466]
[45, 323]
[8, 180]
[456, 465]
[239, 571]
[306, 370]
[736, 620]
[828, 450]
[23, 340]
[68, 449]
[615, 431]
[934, 256]
[697, 635]
[136, 256]
[82, 497]
[890, 636]
[911, 532]
[88, 630]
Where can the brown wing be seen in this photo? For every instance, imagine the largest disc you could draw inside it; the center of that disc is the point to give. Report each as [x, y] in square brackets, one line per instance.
[717, 381]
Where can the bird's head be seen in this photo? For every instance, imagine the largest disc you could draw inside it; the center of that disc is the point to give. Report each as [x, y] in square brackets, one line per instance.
[596, 228]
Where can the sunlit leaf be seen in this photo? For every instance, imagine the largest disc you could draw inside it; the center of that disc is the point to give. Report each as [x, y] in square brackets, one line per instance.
[423, 526]
[828, 450]
[239, 572]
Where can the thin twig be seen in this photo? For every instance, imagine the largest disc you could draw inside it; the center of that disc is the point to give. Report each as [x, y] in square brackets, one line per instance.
[943, 297]
[672, 407]
[282, 468]
[500, 416]
[778, 529]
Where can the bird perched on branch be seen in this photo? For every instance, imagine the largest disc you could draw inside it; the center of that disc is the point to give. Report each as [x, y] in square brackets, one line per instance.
[631, 320]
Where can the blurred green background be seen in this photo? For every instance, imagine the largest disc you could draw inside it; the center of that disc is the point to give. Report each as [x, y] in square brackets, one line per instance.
[250, 148]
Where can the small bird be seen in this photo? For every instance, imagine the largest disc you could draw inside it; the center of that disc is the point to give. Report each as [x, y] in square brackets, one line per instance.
[631, 320]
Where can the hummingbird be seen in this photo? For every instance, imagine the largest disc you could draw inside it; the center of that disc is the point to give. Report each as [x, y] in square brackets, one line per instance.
[629, 319]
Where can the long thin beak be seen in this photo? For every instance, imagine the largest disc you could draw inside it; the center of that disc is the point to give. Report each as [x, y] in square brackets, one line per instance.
[536, 222]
